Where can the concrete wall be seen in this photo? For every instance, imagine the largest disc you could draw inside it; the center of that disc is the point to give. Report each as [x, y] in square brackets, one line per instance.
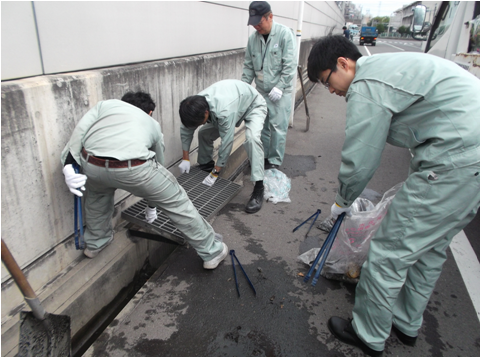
[38, 116]
[43, 37]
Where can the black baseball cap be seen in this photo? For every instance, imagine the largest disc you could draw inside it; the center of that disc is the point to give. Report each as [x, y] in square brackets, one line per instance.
[256, 10]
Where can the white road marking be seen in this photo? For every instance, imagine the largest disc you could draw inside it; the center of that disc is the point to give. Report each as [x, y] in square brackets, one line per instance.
[392, 46]
[368, 53]
[468, 266]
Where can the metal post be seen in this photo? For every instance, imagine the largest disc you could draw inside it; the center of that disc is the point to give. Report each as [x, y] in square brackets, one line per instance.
[294, 80]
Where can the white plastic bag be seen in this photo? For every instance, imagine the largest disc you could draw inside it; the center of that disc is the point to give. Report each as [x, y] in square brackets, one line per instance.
[276, 186]
[351, 245]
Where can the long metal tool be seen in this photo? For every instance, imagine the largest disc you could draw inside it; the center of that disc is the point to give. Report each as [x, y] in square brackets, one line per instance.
[41, 334]
[316, 215]
[232, 254]
[78, 218]
[324, 252]
[308, 119]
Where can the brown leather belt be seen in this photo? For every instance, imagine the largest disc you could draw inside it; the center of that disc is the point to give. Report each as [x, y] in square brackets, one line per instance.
[113, 163]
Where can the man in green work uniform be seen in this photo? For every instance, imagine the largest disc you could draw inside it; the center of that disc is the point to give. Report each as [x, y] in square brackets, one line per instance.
[431, 106]
[118, 145]
[271, 59]
[220, 109]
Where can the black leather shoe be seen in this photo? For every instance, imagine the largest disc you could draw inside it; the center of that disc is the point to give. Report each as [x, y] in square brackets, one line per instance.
[342, 330]
[207, 167]
[255, 202]
[271, 166]
[407, 340]
[268, 165]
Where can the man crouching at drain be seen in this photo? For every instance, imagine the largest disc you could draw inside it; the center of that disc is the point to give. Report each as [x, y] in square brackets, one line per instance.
[118, 145]
[415, 101]
[219, 109]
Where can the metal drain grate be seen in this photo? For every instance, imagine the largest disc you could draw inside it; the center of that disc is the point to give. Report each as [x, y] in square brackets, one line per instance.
[207, 200]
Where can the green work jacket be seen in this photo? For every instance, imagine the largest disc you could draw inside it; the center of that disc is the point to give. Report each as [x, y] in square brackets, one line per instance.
[117, 129]
[413, 100]
[229, 102]
[272, 64]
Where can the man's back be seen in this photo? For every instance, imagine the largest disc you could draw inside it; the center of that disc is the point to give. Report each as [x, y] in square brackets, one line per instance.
[116, 129]
[228, 97]
[433, 102]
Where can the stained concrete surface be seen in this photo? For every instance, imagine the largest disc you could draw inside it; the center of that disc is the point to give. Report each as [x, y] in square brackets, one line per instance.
[185, 310]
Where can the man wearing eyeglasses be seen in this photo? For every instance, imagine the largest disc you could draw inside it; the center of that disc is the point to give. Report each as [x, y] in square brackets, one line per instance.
[271, 59]
[416, 101]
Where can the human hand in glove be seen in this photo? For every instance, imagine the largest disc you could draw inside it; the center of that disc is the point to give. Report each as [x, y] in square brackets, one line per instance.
[74, 180]
[275, 94]
[150, 214]
[336, 210]
[210, 179]
[184, 166]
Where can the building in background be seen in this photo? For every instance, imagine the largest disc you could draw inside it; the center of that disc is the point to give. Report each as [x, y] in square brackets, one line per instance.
[352, 13]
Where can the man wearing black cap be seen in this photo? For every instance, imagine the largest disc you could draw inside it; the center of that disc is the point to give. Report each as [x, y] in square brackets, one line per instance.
[271, 59]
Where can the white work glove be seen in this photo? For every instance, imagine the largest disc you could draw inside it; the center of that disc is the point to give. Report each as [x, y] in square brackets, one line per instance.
[275, 94]
[74, 180]
[210, 179]
[337, 210]
[150, 214]
[184, 166]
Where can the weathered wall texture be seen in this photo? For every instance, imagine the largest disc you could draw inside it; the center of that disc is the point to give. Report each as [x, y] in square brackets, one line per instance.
[38, 116]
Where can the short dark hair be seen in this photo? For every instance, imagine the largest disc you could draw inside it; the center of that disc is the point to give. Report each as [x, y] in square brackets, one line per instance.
[326, 51]
[192, 111]
[141, 100]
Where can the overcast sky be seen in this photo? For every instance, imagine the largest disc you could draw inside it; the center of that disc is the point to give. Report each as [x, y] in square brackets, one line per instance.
[380, 8]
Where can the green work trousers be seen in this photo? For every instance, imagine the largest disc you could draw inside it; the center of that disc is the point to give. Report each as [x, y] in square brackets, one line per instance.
[159, 187]
[407, 253]
[274, 133]
[254, 121]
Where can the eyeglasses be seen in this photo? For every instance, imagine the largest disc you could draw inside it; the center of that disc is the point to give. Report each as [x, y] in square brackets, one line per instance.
[326, 83]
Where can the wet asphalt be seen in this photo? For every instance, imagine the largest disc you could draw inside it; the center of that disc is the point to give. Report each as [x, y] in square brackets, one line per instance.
[184, 310]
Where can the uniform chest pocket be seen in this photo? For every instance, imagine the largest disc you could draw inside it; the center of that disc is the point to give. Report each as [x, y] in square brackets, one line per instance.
[275, 56]
[256, 62]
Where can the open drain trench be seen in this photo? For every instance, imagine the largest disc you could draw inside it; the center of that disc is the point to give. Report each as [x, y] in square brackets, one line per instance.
[207, 200]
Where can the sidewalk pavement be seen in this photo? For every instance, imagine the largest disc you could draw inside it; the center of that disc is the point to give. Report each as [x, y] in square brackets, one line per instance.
[184, 310]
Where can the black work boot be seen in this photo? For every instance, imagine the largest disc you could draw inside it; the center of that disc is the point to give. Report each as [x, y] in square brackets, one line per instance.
[255, 202]
[342, 329]
[207, 167]
[407, 340]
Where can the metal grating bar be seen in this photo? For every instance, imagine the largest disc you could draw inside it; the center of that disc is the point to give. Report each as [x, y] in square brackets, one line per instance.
[207, 200]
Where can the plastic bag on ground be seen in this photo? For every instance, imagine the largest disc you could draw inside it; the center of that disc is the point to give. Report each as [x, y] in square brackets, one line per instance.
[276, 186]
[351, 245]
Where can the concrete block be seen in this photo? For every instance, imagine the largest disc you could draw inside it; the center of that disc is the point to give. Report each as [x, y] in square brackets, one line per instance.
[88, 285]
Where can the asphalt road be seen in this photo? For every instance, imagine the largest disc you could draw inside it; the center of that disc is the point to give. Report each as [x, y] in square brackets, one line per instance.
[184, 310]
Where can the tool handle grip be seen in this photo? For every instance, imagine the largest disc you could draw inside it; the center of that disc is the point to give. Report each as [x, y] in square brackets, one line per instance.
[16, 273]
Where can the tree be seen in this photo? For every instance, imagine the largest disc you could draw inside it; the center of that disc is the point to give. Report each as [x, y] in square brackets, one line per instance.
[403, 30]
[380, 28]
[379, 20]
